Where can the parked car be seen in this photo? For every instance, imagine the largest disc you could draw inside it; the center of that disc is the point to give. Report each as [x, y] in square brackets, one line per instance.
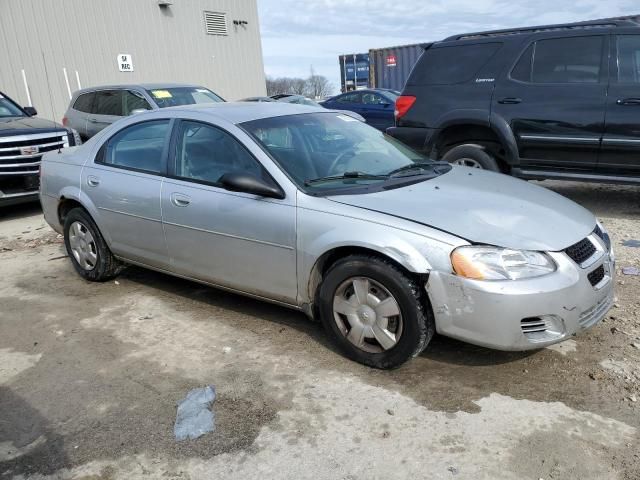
[23, 140]
[257, 99]
[92, 109]
[302, 100]
[557, 101]
[314, 210]
[375, 105]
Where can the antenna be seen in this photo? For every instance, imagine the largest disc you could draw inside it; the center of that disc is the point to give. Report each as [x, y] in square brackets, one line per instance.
[46, 74]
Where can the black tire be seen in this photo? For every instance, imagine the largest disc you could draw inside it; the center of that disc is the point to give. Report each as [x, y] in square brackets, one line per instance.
[106, 265]
[417, 318]
[475, 153]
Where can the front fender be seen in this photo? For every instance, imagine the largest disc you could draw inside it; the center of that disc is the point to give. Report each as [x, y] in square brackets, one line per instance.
[496, 123]
[321, 233]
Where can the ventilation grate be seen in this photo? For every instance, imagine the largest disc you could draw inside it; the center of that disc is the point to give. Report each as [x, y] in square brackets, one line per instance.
[215, 23]
[581, 251]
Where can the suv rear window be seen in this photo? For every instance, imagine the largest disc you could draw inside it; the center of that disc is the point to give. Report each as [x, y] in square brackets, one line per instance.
[561, 60]
[452, 64]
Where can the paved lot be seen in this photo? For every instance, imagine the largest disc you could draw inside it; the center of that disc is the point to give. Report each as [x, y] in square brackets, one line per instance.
[90, 375]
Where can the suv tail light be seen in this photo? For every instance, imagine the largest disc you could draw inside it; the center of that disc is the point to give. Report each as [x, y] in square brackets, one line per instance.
[65, 121]
[403, 104]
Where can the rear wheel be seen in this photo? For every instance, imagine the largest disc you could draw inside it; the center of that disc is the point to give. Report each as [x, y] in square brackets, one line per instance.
[87, 249]
[473, 156]
[375, 312]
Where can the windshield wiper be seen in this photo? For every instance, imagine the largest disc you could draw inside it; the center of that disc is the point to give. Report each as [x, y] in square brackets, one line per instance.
[401, 172]
[346, 176]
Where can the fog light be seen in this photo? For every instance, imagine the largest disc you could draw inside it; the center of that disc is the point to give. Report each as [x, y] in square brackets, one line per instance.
[543, 328]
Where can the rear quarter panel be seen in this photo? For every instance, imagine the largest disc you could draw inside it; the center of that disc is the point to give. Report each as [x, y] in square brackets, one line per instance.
[59, 178]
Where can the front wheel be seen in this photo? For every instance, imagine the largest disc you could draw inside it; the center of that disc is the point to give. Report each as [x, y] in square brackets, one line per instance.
[377, 314]
[87, 249]
[473, 156]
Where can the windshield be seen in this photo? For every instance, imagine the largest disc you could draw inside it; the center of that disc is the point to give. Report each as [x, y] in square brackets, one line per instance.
[173, 97]
[329, 151]
[9, 109]
[300, 100]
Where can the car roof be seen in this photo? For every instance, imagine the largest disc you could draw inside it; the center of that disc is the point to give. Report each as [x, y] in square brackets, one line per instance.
[239, 112]
[145, 86]
[368, 90]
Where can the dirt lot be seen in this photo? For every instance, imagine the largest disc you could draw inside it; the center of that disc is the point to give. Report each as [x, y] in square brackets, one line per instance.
[90, 375]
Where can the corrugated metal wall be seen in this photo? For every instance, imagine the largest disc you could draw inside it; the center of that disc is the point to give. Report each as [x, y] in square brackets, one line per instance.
[167, 44]
[390, 67]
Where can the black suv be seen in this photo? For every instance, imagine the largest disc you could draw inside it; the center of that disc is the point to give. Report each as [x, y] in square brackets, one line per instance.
[557, 101]
[23, 140]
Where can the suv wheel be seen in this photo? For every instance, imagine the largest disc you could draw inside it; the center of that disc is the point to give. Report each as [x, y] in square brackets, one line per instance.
[374, 312]
[87, 249]
[473, 156]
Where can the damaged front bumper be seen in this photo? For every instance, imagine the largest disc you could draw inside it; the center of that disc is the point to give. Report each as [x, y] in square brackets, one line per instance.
[522, 314]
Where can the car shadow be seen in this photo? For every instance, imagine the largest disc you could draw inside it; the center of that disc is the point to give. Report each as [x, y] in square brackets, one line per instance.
[11, 212]
[441, 349]
[31, 444]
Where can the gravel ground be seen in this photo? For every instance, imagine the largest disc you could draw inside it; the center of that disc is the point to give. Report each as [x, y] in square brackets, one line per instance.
[90, 375]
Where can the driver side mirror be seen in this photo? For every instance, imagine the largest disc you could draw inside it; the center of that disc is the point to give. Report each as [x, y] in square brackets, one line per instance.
[32, 112]
[135, 111]
[247, 183]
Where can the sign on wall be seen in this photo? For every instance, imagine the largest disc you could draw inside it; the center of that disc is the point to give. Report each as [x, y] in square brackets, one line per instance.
[125, 62]
[391, 61]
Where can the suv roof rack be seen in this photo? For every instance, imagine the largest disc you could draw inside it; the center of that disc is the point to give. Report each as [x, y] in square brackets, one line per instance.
[604, 23]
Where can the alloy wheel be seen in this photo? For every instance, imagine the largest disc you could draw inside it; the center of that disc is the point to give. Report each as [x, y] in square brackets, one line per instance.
[467, 162]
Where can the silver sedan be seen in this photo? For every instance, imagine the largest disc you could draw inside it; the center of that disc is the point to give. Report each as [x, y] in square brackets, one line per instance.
[314, 210]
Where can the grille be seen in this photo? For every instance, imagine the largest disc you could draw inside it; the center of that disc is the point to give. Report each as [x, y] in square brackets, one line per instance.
[594, 314]
[581, 251]
[21, 154]
[596, 276]
[215, 23]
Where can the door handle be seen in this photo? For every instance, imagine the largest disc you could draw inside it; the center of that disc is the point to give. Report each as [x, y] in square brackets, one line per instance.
[180, 200]
[628, 101]
[510, 101]
[93, 181]
[93, 120]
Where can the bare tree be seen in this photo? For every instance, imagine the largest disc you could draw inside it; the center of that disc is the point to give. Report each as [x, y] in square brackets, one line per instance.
[316, 86]
[298, 86]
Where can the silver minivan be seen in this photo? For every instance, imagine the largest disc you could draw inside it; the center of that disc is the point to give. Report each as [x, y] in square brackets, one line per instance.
[92, 109]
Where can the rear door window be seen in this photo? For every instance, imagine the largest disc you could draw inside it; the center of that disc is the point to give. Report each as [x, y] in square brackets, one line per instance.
[452, 64]
[108, 102]
[628, 59]
[137, 147]
[84, 102]
[354, 97]
[561, 60]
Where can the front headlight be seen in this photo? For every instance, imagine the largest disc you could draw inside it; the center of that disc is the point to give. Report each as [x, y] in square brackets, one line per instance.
[494, 263]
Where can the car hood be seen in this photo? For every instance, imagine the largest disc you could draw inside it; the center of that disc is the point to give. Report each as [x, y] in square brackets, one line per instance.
[18, 125]
[485, 207]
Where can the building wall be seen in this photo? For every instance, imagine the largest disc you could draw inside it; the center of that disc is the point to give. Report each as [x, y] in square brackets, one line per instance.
[168, 44]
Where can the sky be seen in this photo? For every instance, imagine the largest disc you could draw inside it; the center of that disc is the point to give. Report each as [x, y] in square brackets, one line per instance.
[298, 34]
